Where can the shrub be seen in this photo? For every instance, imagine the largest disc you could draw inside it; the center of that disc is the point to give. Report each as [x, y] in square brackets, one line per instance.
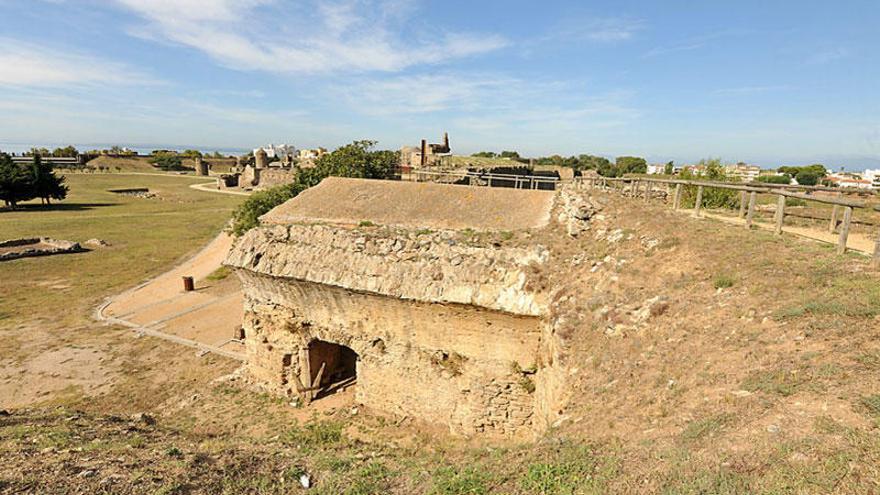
[167, 161]
[712, 197]
[775, 179]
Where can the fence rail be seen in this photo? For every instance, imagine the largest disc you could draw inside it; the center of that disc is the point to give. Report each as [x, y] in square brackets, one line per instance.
[486, 179]
[748, 201]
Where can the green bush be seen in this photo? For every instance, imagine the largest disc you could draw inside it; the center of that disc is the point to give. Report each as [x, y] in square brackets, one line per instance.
[775, 179]
[712, 197]
[167, 161]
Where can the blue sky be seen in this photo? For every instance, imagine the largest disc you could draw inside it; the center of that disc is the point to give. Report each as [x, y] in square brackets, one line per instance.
[768, 82]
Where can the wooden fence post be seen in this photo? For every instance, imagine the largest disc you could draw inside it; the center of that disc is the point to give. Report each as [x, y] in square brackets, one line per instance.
[833, 224]
[750, 214]
[844, 230]
[676, 202]
[876, 259]
[743, 199]
[699, 201]
[780, 213]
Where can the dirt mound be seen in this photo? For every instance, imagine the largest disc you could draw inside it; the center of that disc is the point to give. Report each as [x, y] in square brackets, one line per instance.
[415, 205]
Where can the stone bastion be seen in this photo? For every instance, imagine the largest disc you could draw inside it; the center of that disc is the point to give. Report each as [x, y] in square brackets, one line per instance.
[376, 285]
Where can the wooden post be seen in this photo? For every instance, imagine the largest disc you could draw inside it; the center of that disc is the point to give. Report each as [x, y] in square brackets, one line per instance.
[316, 385]
[876, 259]
[750, 214]
[676, 202]
[188, 284]
[699, 201]
[833, 224]
[844, 230]
[780, 213]
[743, 199]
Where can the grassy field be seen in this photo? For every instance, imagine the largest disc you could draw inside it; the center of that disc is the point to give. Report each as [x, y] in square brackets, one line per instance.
[763, 376]
[146, 235]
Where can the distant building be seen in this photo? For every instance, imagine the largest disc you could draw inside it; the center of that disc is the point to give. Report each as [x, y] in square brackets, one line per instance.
[426, 154]
[279, 151]
[657, 169]
[743, 171]
[312, 154]
[874, 177]
[849, 180]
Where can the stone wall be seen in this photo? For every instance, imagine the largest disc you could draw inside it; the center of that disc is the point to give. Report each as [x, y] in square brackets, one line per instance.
[271, 177]
[445, 364]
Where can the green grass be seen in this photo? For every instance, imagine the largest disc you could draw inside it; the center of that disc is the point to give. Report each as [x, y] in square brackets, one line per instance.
[219, 274]
[723, 281]
[459, 481]
[314, 434]
[704, 428]
[573, 470]
[146, 236]
[778, 381]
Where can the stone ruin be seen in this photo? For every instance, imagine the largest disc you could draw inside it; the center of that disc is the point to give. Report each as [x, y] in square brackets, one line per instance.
[36, 246]
[260, 174]
[381, 283]
[425, 155]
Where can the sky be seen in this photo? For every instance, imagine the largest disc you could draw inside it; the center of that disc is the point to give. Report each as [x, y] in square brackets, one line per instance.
[769, 82]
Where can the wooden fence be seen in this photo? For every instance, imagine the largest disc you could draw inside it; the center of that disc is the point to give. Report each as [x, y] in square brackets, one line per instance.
[483, 179]
[636, 186]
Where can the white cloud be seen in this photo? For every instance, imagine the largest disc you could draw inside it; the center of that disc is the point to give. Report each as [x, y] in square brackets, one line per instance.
[489, 101]
[29, 65]
[306, 37]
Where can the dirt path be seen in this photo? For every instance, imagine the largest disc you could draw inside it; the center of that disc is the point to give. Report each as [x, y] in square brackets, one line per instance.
[212, 187]
[855, 242]
[205, 318]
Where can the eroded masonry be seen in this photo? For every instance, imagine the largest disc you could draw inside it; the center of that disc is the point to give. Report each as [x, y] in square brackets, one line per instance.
[382, 283]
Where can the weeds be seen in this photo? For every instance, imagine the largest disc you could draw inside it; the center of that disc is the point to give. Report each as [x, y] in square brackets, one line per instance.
[706, 427]
[314, 434]
[723, 281]
[455, 481]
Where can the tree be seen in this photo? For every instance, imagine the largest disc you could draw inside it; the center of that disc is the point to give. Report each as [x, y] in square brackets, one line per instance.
[68, 151]
[669, 169]
[44, 183]
[15, 182]
[807, 177]
[191, 154]
[513, 155]
[485, 154]
[167, 161]
[631, 165]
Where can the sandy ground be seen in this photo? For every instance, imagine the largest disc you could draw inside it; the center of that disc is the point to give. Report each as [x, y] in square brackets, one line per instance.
[205, 318]
[854, 242]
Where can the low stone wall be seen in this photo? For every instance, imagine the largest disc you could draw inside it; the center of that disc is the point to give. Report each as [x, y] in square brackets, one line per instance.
[271, 177]
[37, 246]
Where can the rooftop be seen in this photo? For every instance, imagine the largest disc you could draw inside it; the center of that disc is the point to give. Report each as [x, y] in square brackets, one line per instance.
[415, 205]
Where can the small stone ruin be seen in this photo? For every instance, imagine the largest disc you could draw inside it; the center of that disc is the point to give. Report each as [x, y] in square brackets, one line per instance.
[382, 286]
[36, 246]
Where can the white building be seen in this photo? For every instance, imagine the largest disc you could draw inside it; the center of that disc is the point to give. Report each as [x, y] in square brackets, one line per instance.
[656, 169]
[874, 177]
[850, 180]
[278, 150]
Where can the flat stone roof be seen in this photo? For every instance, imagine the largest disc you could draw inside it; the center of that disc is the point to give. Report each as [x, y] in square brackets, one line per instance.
[415, 205]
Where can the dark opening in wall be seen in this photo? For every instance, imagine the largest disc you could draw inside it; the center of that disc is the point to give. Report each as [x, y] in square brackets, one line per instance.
[331, 366]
